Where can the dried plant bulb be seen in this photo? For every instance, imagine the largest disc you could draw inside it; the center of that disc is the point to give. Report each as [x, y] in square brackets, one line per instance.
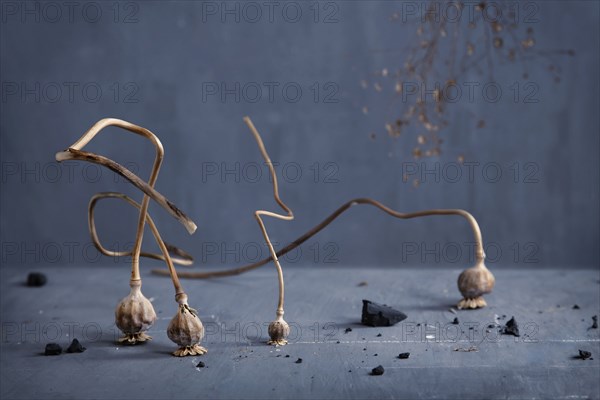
[134, 316]
[186, 330]
[473, 283]
[279, 331]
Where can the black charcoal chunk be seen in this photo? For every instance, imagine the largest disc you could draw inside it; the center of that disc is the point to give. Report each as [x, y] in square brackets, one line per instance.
[575, 307]
[595, 323]
[374, 314]
[75, 347]
[584, 355]
[298, 361]
[201, 365]
[378, 370]
[53, 349]
[36, 279]
[511, 328]
[455, 321]
[403, 356]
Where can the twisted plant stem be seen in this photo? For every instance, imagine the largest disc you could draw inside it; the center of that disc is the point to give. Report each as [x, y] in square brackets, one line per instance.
[479, 253]
[259, 213]
[182, 258]
[166, 256]
[74, 152]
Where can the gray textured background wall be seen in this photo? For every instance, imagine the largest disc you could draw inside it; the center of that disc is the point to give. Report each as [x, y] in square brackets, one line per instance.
[153, 62]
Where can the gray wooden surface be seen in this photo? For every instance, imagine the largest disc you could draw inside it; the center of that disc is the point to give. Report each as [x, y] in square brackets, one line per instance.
[321, 304]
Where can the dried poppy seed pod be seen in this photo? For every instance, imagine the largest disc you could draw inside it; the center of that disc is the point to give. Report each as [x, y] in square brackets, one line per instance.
[186, 330]
[279, 330]
[473, 283]
[134, 315]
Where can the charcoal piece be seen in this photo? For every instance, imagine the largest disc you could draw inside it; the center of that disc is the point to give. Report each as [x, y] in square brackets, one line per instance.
[584, 355]
[36, 279]
[575, 307]
[403, 356]
[595, 323]
[201, 365]
[511, 328]
[374, 314]
[455, 321]
[53, 349]
[298, 361]
[348, 330]
[379, 335]
[75, 347]
[378, 370]
[287, 356]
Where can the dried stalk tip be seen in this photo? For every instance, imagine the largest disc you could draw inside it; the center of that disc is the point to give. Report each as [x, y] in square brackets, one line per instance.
[473, 283]
[186, 331]
[135, 315]
[278, 331]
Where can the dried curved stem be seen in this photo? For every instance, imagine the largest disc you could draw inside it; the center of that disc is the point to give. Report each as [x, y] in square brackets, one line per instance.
[182, 258]
[88, 136]
[479, 253]
[259, 213]
[166, 256]
[72, 154]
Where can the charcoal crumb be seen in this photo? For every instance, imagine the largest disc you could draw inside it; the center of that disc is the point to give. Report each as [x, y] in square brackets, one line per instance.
[365, 349]
[378, 370]
[511, 328]
[363, 283]
[595, 324]
[36, 279]
[584, 355]
[299, 361]
[52, 349]
[201, 365]
[287, 356]
[491, 326]
[338, 342]
[349, 370]
[348, 330]
[379, 335]
[575, 307]
[403, 356]
[278, 355]
[75, 347]
[375, 354]
[455, 322]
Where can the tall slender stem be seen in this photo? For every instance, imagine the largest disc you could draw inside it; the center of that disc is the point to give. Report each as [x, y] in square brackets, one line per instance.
[259, 213]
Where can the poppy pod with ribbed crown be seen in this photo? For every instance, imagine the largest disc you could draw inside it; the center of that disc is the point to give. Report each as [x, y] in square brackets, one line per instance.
[473, 283]
[134, 315]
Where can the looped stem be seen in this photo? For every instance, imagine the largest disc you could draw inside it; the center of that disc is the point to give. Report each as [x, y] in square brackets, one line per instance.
[74, 152]
[182, 258]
